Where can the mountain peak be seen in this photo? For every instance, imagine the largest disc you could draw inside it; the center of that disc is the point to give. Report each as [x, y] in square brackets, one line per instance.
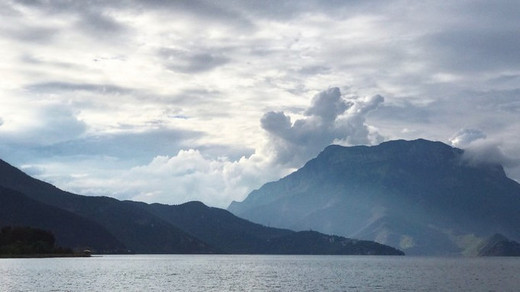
[408, 194]
[419, 147]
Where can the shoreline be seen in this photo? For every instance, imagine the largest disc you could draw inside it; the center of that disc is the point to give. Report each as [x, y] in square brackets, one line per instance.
[37, 256]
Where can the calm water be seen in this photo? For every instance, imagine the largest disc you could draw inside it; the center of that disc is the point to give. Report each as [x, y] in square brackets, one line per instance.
[259, 273]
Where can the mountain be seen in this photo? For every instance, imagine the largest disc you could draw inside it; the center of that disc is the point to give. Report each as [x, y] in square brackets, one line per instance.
[137, 230]
[109, 225]
[498, 245]
[72, 230]
[231, 234]
[421, 196]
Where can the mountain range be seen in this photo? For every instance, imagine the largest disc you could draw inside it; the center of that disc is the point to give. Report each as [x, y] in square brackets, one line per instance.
[108, 225]
[423, 197]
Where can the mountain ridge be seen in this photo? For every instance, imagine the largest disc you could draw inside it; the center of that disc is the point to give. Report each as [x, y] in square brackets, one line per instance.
[154, 228]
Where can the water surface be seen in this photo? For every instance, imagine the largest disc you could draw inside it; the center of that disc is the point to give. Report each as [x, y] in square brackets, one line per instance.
[259, 273]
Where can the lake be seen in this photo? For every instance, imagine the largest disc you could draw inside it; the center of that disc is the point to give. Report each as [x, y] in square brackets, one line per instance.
[259, 273]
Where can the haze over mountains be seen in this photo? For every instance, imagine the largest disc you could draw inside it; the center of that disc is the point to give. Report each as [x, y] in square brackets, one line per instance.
[421, 196]
[107, 225]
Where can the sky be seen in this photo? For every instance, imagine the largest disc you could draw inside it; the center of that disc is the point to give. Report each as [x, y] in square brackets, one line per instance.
[173, 101]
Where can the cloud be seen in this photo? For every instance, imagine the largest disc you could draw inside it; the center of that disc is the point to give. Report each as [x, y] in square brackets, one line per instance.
[194, 174]
[186, 176]
[465, 137]
[32, 170]
[489, 152]
[191, 62]
[480, 48]
[478, 149]
[130, 145]
[100, 24]
[403, 111]
[104, 86]
[327, 105]
[44, 124]
[214, 12]
[60, 86]
[330, 118]
[189, 176]
[37, 35]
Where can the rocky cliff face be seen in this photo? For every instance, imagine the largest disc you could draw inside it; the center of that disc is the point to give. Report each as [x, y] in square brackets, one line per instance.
[420, 196]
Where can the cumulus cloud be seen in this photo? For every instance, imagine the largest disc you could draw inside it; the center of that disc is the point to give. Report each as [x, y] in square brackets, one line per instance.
[186, 176]
[330, 118]
[328, 105]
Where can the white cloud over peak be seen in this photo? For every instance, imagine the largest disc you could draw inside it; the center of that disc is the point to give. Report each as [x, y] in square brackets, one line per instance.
[478, 149]
[465, 137]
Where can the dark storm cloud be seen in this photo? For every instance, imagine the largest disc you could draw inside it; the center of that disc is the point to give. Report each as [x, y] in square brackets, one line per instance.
[329, 118]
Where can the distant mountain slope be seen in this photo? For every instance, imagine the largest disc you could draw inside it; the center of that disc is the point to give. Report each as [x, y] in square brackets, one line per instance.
[231, 234]
[420, 196]
[498, 245]
[143, 228]
[137, 229]
[70, 229]
[218, 227]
